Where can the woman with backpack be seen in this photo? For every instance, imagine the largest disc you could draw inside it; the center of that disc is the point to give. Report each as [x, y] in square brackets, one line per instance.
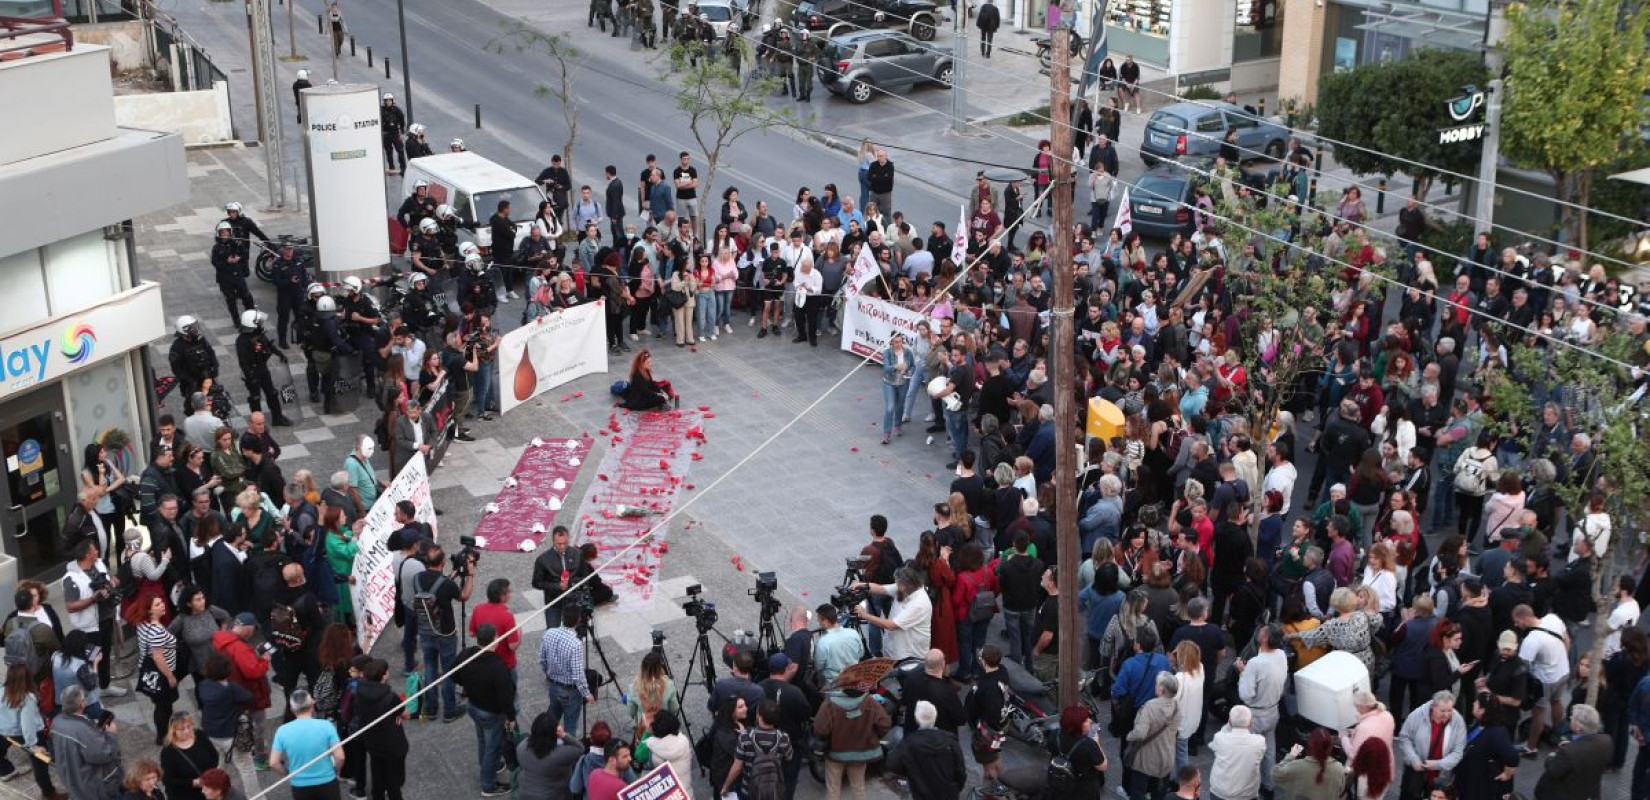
[1475, 472]
[73, 664]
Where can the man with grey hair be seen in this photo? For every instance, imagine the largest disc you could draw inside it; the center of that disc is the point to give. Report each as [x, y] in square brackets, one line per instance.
[83, 521]
[200, 427]
[909, 622]
[86, 752]
[1260, 687]
[929, 758]
[341, 494]
[1318, 583]
[1577, 767]
[1235, 774]
[1431, 743]
[304, 740]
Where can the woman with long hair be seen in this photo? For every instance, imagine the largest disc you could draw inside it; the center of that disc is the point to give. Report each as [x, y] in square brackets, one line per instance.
[1118, 642]
[934, 564]
[1187, 659]
[1371, 771]
[142, 782]
[539, 777]
[100, 476]
[185, 758]
[229, 465]
[193, 625]
[193, 472]
[1310, 772]
[898, 366]
[643, 392]
[1368, 487]
[157, 645]
[704, 300]
[1381, 576]
[1623, 669]
[725, 269]
[652, 691]
[21, 724]
[972, 577]
[341, 549]
[726, 727]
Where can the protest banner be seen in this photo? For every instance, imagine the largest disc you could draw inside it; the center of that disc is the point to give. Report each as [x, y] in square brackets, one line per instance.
[868, 322]
[660, 784]
[551, 351]
[374, 587]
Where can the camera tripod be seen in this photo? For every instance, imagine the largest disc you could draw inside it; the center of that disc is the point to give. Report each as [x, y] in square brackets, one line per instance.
[664, 658]
[705, 658]
[769, 638]
[587, 633]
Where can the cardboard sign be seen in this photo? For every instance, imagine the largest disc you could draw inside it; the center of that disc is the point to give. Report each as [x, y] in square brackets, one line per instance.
[660, 784]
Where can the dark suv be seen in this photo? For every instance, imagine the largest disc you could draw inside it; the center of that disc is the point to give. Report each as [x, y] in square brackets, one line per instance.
[920, 18]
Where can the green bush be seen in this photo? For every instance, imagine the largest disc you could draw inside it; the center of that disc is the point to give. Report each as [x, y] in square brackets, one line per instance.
[1201, 91]
[1026, 119]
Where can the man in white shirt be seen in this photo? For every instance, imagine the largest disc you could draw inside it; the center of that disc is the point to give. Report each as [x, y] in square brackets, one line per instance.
[1235, 774]
[1546, 648]
[908, 623]
[86, 585]
[1625, 615]
[1280, 475]
[1260, 687]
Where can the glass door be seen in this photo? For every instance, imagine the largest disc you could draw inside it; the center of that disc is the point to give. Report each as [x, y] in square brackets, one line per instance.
[40, 483]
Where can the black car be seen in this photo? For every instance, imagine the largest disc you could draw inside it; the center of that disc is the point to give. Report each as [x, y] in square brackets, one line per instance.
[920, 18]
[1161, 202]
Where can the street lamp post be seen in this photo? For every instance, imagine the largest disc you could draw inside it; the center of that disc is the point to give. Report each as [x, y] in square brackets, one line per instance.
[406, 74]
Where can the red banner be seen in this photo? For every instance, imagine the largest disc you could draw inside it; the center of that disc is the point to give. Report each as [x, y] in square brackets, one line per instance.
[526, 508]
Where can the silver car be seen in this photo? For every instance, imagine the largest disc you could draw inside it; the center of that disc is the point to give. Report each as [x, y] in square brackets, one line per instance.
[855, 65]
[723, 16]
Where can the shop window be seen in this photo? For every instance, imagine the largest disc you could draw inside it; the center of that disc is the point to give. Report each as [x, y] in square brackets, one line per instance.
[1259, 30]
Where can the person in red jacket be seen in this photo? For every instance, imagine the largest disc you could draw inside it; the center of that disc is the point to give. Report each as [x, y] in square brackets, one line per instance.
[249, 669]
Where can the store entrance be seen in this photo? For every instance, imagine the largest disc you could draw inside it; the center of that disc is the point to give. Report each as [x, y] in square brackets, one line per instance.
[40, 481]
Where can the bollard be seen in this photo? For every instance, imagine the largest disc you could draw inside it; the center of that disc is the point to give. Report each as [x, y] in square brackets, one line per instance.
[1380, 198]
[1449, 188]
[352, 45]
[369, 56]
[386, 68]
[1262, 107]
[478, 116]
[320, 24]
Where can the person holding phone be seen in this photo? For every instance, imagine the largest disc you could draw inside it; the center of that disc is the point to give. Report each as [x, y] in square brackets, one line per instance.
[1443, 668]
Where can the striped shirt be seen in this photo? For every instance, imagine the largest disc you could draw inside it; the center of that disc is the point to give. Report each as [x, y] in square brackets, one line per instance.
[153, 636]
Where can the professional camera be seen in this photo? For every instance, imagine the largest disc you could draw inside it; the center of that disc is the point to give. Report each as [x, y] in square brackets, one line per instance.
[465, 559]
[766, 585]
[658, 641]
[114, 594]
[703, 611]
[846, 597]
[855, 568]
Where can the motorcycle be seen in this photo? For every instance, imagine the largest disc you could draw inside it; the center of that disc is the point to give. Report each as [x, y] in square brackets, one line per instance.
[1045, 51]
[1031, 713]
[264, 267]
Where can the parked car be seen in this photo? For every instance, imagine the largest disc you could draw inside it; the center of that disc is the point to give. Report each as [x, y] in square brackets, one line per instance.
[920, 18]
[724, 16]
[473, 186]
[1161, 202]
[856, 64]
[1194, 131]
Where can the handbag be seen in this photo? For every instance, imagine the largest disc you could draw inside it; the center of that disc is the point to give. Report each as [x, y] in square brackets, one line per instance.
[150, 683]
[676, 298]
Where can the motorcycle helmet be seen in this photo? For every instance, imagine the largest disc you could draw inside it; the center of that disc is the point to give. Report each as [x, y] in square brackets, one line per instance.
[352, 284]
[444, 211]
[225, 226]
[187, 326]
[416, 129]
[468, 250]
[456, 145]
[428, 226]
[417, 279]
[315, 290]
[232, 208]
[326, 304]
[252, 318]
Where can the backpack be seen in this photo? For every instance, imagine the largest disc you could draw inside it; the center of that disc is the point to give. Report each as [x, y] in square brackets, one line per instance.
[1062, 776]
[1470, 475]
[984, 605]
[428, 606]
[286, 628]
[890, 560]
[765, 777]
[325, 692]
[20, 644]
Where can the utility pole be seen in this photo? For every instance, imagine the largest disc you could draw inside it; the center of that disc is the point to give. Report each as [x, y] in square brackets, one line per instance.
[1495, 31]
[959, 58]
[268, 99]
[406, 73]
[1068, 544]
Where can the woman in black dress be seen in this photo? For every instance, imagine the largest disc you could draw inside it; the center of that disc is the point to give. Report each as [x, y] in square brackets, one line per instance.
[1079, 744]
[643, 393]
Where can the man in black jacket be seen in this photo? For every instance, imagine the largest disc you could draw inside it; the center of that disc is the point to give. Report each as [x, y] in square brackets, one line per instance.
[988, 19]
[385, 742]
[880, 176]
[930, 685]
[930, 757]
[795, 712]
[491, 690]
[1021, 577]
[555, 571]
[615, 203]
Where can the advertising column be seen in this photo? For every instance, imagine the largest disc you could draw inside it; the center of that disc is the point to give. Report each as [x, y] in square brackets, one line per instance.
[344, 156]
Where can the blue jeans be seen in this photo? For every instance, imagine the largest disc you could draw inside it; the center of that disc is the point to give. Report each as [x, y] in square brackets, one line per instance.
[704, 314]
[486, 388]
[865, 187]
[440, 654]
[1021, 627]
[566, 704]
[1182, 752]
[1443, 501]
[956, 424]
[893, 406]
[489, 740]
[970, 638]
[919, 379]
[724, 306]
[880, 605]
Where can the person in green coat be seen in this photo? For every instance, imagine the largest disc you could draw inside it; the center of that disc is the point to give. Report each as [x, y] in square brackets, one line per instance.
[341, 551]
[806, 52]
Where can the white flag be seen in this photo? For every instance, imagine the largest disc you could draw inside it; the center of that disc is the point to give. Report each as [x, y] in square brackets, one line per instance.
[863, 270]
[959, 239]
[1124, 221]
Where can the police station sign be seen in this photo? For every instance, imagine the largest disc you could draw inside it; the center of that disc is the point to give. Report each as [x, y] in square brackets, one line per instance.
[55, 347]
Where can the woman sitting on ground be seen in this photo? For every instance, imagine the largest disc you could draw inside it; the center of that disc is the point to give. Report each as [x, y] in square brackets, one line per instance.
[643, 393]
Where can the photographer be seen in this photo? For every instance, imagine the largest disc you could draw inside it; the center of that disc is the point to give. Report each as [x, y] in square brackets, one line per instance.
[461, 365]
[836, 648]
[555, 571]
[249, 670]
[908, 623]
[481, 346]
[90, 597]
[433, 596]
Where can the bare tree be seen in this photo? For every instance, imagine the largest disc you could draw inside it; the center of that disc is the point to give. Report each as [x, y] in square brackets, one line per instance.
[568, 61]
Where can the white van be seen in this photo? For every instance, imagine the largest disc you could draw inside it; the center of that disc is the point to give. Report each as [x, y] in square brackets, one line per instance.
[473, 186]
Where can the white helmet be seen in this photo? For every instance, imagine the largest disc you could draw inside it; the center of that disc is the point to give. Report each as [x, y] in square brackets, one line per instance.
[225, 226]
[352, 284]
[444, 211]
[473, 263]
[326, 304]
[417, 279]
[233, 208]
[416, 129]
[389, 95]
[303, 74]
[428, 225]
[187, 325]
[468, 250]
[252, 318]
[456, 144]
[421, 184]
[315, 290]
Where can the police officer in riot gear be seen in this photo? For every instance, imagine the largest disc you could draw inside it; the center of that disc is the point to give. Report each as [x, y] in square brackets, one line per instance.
[359, 321]
[230, 268]
[244, 228]
[475, 286]
[305, 318]
[456, 146]
[290, 272]
[420, 310]
[417, 147]
[424, 253]
[417, 206]
[447, 227]
[323, 345]
[392, 123]
[253, 349]
[191, 357]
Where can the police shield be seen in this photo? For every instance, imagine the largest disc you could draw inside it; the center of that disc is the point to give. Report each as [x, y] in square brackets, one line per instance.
[280, 374]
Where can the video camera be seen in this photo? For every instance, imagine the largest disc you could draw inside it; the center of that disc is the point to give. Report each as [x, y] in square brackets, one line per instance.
[766, 585]
[465, 559]
[109, 594]
[703, 611]
[658, 641]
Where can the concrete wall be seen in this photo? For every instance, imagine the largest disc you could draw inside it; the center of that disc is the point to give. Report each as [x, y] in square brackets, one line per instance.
[1304, 25]
[67, 100]
[201, 118]
[127, 41]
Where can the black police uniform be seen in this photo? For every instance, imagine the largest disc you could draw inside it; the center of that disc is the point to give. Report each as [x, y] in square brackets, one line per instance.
[431, 256]
[192, 361]
[392, 122]
[421, 312]
[362, 335]
[230, 268]
[242, 229]
[478, 291]
[253, 349]
[414, 209]
[291, 277]
[323, 345]
[418, 148]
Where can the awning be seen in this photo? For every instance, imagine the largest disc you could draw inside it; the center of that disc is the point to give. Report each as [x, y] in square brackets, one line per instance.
[1427, 26]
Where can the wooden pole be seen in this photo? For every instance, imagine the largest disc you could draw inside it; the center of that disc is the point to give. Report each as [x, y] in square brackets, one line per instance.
[1062, 361]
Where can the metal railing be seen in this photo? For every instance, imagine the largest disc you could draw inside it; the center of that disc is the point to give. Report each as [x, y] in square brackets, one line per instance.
[13, 30]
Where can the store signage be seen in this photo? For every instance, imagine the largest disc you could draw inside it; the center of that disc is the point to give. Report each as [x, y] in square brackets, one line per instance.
[62, 344]
[1463, 133]
[1462, 109]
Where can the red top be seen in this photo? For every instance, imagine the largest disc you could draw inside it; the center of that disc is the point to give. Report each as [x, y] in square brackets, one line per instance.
[502, 620]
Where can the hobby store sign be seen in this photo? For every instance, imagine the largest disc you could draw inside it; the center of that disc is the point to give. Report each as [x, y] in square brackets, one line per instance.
[1462, 109]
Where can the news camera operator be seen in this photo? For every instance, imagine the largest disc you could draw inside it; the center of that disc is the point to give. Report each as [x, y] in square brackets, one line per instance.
[438, 625]
[91, 595]
[909, 623]
[556, 570]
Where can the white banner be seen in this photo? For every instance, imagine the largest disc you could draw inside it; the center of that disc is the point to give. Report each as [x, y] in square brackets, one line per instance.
[374, 587]
[868, 322]
[551, 351]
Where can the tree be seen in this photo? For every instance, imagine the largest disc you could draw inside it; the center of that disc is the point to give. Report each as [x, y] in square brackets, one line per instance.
[1396, 108]
[568, 60]
[1577, 76]
[720, 106]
